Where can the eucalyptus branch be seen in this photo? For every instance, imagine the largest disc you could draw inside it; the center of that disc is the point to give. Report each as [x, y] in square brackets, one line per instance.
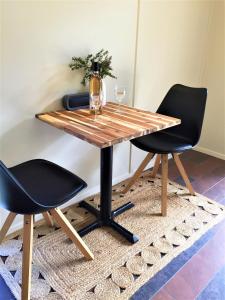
[102, 57]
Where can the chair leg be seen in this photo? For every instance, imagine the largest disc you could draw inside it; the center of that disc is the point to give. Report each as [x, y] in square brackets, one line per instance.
[183, 173]
[8, 222]
[71, 232]
[156, 166]
[164, 179]
[138, 172]
[48, 219]
[27, 256]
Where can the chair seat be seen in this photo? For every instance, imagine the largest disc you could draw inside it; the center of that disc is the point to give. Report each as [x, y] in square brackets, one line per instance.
[47, 183]
[162, 143]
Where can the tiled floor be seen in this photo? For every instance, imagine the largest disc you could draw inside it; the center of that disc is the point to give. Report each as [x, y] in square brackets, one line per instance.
[199, 272]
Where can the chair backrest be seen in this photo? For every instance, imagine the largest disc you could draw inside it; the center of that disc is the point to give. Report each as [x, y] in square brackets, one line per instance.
[13, 197]
[187, 104]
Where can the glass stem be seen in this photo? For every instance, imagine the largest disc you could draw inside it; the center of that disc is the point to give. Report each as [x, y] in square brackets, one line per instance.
[119, 108]
[95, 118]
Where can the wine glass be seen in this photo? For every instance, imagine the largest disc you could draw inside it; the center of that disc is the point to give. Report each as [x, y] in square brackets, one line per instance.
[120, 93]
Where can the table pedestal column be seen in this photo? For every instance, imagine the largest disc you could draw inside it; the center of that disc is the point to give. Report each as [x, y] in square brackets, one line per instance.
[105, 216]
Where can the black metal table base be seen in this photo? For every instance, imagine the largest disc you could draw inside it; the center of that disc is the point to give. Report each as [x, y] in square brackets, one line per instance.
[105, 216]
[132, 238]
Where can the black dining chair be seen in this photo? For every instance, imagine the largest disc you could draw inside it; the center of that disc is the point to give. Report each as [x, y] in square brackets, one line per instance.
[33, 187]
[187, 104]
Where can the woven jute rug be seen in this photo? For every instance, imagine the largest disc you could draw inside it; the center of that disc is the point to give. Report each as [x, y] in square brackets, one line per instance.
[119, 268]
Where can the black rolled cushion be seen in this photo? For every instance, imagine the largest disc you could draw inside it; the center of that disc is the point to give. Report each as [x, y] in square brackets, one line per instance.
[76, 101]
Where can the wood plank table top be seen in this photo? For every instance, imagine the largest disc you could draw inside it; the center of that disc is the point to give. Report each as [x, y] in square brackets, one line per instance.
[110, 128]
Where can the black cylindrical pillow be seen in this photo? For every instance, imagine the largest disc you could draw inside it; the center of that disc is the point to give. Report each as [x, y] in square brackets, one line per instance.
[76, 101]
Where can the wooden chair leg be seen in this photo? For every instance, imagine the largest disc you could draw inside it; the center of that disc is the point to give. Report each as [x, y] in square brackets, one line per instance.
[164, 179]
[27, 256]
[183, 173]
[138, 172]
[156, 166]
[8, 222]
[48, 219]
[71, 232]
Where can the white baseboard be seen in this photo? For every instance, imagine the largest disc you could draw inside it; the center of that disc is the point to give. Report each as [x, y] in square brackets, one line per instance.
[18, 223]
[210, 152]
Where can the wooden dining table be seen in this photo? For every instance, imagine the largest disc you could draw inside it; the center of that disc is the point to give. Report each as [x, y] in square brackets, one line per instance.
[113, 126]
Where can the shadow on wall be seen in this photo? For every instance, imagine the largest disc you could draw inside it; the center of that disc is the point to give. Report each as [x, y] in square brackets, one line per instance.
[33, 139]
[26, 137]
[60, 81]
[27, 140]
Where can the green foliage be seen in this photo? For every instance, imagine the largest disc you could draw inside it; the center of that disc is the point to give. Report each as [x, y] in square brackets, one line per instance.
[102, 57]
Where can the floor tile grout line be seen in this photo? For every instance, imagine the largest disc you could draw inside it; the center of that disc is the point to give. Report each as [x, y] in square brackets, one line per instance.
[213, 186]
[210, 281]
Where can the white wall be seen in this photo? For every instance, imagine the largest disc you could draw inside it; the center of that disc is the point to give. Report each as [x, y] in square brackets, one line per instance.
[213, 135]
[39, 39]
[177, 41]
